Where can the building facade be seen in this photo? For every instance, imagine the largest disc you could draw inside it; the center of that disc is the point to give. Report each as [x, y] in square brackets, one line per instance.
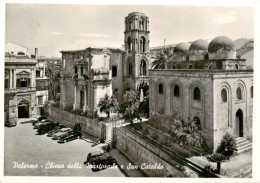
[20, 86]
[206, 83]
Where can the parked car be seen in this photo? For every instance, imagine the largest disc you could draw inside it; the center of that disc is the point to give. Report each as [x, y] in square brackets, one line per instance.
[100, 160]
[10, 124]
[36, 125]
[46, 127]
[69, 137]
[39, 119]
[93, 156]
[62, 132]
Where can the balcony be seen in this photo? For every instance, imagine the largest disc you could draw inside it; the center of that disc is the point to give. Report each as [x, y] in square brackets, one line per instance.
[19, 89]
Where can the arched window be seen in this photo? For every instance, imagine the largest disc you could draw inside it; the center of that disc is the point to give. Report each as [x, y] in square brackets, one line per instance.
[190, 67]
[196, 93]
[142, 44]
[239, 93]
[130, 69]
[210, 66]
[224, 95]
[236, 66]
[176, 91]
[252, 91]
[129, 44]
[197, 122]
[143, 68]
[173, 67]
[161, 88]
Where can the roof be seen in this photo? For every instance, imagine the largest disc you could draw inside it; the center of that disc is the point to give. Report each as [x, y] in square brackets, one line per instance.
[95, 48]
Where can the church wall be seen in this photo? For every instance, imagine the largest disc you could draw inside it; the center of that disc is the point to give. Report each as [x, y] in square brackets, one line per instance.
[164, 105]
[225, 112]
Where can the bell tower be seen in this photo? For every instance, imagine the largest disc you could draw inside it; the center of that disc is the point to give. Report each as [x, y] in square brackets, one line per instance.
[137, 55]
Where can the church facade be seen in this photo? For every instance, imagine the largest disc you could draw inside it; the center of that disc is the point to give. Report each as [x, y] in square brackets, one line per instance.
[90, 73]
[206, 83]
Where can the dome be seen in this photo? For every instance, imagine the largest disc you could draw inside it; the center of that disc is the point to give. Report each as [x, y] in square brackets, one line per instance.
[221, 43]
[182, 48]
[199, 44]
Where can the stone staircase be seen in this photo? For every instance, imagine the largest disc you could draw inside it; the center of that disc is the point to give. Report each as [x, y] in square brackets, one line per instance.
[243, 145]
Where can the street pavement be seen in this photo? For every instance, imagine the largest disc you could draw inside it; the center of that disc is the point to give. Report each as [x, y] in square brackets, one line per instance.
[46, 157]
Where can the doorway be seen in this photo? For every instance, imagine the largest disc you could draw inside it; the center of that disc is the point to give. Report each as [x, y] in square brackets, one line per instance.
[23, 109]
[239, 122]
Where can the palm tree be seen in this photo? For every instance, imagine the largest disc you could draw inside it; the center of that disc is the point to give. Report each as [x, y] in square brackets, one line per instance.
[164, 56]
[107, 105]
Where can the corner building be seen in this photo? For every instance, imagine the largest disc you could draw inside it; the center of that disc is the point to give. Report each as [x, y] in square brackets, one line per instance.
[207, 83]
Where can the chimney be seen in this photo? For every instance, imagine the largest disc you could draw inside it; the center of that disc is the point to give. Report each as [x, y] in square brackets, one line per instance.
[36, 54]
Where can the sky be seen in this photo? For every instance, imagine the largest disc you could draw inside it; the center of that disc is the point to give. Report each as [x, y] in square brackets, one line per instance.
[52, 28]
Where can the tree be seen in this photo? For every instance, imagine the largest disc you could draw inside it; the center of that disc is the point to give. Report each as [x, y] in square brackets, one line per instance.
[162, 58]
[107, 105]
[218, 158]
[227, 145]
[223, 151]
[53, 73]
[130, 106]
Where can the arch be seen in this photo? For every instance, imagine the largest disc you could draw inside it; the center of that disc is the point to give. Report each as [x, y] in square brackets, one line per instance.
[196, 94]
[23, 108]
[160, 88]
[190, 66]
[142, 44]
[239, 122]
[224, 95]
[239, 93]
[143, 68]
[176, 91]
[129, 44]
[173, 67]
[210, 66]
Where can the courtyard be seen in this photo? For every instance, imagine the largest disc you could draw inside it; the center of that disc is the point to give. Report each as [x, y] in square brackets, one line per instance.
[27, 154]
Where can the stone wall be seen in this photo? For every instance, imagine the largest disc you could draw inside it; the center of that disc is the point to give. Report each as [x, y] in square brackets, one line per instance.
[91, 126]
[142, 152]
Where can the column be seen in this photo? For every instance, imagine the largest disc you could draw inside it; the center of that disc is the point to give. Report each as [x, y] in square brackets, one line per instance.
[85, 99]
[14, 79]
[10, 78]
[31, 84]
[75, 97]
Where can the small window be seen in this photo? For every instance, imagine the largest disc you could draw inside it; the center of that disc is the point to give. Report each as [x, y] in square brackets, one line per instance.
[114, 71]
[76, 70]
[236, 66]
[40, 100]
[224, 95]
[130, 69]
[176, 91]
[6, 83]
[196, 93]
[190, 67]
[173, 67]
[81, 70]
[160, 88]
[23, 82]
[38, 74]
[252, 91]
[239, 93]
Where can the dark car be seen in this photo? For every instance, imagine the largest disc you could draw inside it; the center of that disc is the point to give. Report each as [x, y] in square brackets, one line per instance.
[10, 124]
[102, 162]
[46, 127]
[69, 137]
[39, 119]
[53, 131]
[36, 125]
[93, 156]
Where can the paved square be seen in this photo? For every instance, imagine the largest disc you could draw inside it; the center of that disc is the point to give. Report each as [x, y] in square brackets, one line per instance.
[24, 147]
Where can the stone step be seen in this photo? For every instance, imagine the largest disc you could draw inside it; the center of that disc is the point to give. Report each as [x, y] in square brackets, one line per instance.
[243, 145]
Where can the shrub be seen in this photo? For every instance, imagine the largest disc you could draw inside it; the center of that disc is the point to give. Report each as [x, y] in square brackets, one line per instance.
[155, 136]
[227, 145]
[146, 132]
